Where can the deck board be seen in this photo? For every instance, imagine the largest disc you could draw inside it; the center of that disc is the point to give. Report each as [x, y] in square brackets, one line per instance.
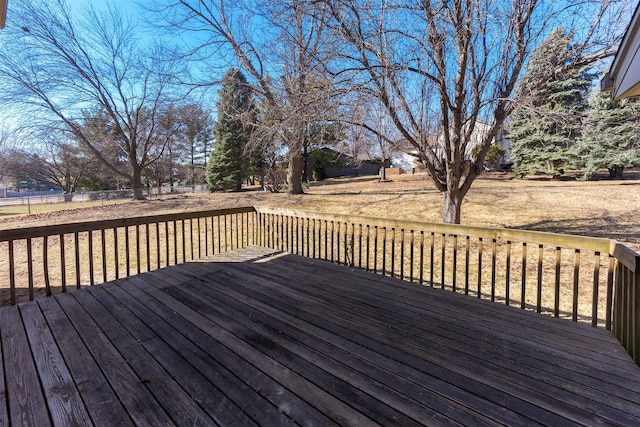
[253, 337]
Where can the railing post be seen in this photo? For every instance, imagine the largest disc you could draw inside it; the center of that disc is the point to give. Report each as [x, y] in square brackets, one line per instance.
[626, 302]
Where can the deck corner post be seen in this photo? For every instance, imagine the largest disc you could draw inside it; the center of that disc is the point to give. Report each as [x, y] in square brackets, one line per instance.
[635, 315]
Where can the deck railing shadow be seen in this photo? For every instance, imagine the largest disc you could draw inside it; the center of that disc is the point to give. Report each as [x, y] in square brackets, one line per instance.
[585, 279]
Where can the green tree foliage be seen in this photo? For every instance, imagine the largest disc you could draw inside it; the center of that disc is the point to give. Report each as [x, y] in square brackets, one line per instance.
[494, 155]
[323, 159]
[229, 165]
[611, 136]
[546, 124]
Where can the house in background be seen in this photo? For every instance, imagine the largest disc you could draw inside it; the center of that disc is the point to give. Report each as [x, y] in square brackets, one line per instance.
[481, 128]
[328, 163]
[623, 78]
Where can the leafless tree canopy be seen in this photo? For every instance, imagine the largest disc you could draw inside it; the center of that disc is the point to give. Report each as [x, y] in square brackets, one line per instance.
[283, 46]
[61, 65]
[442, 67]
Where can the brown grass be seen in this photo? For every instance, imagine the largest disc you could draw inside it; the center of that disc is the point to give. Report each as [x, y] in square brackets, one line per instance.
[601, 209]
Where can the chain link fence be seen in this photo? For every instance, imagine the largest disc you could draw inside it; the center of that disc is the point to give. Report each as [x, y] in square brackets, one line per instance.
[29, 198]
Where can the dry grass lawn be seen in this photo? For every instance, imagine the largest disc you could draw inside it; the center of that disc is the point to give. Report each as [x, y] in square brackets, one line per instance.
[603, 208]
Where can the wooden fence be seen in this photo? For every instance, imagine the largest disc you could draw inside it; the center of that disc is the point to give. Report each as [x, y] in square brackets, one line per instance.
[584, 279]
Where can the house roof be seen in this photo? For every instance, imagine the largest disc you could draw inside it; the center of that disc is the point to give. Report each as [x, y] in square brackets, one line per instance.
[3, 12]
[623, 78]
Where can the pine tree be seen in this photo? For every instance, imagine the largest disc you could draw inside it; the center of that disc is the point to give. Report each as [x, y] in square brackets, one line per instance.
[611, 137]
[228, 164]
[546, 124]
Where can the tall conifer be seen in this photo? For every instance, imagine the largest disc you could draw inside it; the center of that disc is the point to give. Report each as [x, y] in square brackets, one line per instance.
[229, 162]
[611, 136]
[546, 124]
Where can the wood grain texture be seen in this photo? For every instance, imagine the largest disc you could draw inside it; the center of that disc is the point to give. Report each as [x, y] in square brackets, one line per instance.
[27, 405]
[63, 399]
[255, 337]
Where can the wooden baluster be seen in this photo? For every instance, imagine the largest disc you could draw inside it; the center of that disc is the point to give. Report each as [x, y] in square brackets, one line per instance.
[466, 264]
[443, 259]
[166, 243]
[375, 250]
[90, 244]
[493, 269]
[539, 290]
[359, 245]
[237, 227]
[480, 244]
[127, 251]
[523, 288]
[104, 257]
[12, 273]
[421, 257]
[338, 242]
[368, 255]
[45, 264]
[76, 243]
[576, 278]
[384, 251]
[401, 254]
[148, 245]
[596, 287]
[30, 268]
[411, 260]
[226, 243]
[175, 242]
[332, 239]
[184, 241]
[556, 298]
[137, 249]
[432, 260]
[507, 273]
[455, 263]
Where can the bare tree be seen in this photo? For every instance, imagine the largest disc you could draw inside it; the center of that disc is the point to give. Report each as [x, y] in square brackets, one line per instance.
[62, 63]
[66, 163]
[372, 131]
[196, 137]
[459, 60]
[283, 47]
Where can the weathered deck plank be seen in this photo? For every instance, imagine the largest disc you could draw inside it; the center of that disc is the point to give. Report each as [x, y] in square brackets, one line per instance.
[246, 338]
[26, 404]
[100, 399]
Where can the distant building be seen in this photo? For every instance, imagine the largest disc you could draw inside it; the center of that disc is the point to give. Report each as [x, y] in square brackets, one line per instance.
[436, 142]
[348, 166]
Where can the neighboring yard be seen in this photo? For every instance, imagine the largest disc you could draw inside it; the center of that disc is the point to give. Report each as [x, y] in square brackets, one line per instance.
[604, 208]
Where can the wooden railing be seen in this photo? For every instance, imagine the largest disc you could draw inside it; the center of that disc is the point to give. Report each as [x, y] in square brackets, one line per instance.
[50, 258]
[584, 279]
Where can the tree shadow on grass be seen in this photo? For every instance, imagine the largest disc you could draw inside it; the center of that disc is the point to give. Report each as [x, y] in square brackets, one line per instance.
[602, 227]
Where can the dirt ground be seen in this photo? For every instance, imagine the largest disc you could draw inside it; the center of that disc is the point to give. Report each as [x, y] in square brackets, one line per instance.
[602, 208]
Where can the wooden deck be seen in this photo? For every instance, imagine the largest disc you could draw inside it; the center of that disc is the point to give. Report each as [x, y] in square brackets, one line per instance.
[251, 339]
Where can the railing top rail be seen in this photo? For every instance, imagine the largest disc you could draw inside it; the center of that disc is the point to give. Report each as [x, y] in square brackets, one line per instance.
[53, 230]
[568, 241]
[628, 257]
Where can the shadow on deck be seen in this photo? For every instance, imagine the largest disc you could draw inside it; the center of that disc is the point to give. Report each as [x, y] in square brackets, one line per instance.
[256, 338]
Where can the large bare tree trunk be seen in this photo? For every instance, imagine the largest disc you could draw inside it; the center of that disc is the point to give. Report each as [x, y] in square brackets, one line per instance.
[136, 183]
[294, 172]
[452, 206]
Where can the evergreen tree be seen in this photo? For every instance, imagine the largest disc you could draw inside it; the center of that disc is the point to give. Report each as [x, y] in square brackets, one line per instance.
[229, 165]
[546, 124]
[611, 136]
